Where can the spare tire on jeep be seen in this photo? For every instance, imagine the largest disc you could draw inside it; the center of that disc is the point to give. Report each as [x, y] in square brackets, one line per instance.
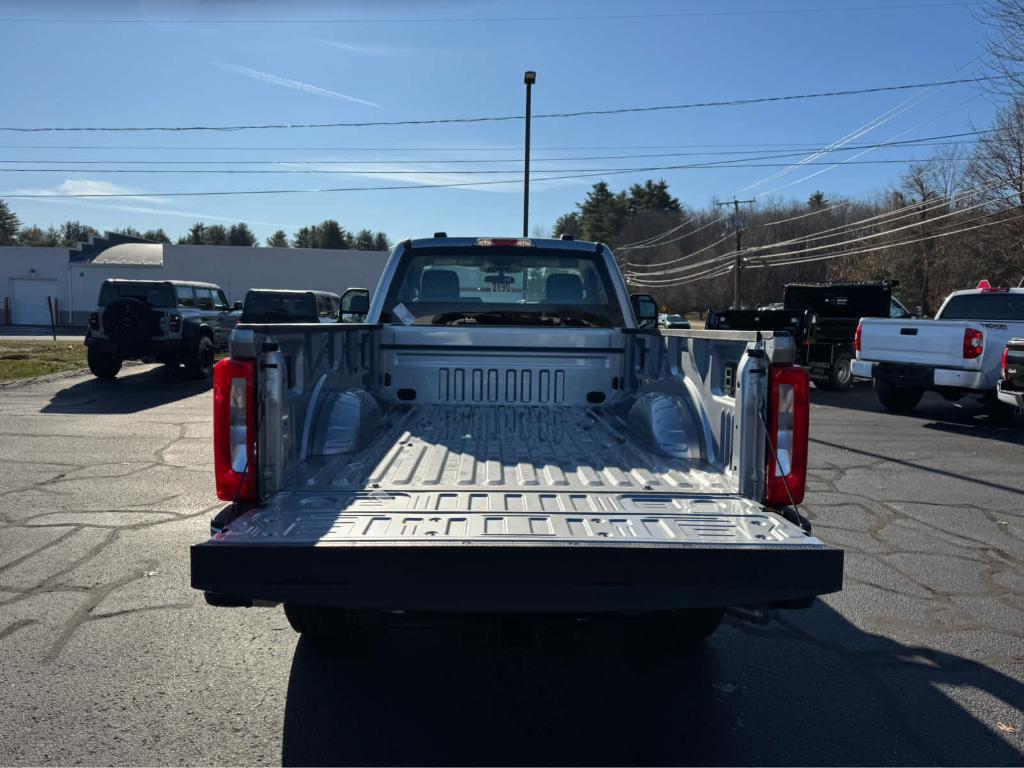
[129, 321]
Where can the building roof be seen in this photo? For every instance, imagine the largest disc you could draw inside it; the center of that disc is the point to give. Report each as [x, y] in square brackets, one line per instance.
[146, 254]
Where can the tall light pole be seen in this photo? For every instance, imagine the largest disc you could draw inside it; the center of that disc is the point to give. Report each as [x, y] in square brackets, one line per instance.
[529, 79]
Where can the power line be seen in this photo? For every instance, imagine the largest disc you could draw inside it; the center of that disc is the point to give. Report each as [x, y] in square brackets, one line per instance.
[884, 218]
[431, 171]
[504, 19]
[507, 118]
[717, 272]
[468, 161]
[756, 147]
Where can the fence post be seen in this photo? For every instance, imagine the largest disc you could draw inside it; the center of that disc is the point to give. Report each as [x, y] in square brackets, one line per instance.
[53, 326]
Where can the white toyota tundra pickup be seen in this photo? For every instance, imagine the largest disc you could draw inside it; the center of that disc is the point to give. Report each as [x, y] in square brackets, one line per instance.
[958, 354]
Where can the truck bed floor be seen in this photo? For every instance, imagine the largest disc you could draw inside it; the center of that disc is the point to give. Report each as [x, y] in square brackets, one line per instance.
[507, 448]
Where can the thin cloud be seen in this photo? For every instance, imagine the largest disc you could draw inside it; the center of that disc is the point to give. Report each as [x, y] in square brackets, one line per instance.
[295, 85]
[370, 49]
[428, 177]
[85, 187]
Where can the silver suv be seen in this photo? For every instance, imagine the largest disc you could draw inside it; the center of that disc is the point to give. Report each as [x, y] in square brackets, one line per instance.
[168, 321]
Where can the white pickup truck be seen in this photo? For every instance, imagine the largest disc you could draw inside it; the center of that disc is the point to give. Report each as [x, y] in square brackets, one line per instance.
[508, 433]
[957, 354]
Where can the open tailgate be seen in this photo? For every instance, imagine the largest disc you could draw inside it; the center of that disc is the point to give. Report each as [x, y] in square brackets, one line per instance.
[647, 552]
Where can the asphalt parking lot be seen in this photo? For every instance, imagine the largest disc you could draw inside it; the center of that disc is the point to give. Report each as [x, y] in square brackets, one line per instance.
[108, 657]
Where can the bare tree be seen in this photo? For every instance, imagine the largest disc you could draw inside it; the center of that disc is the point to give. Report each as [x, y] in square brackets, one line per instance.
[1005, 44]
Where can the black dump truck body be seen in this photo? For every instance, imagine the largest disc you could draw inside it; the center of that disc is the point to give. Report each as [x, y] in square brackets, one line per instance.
[822, 318]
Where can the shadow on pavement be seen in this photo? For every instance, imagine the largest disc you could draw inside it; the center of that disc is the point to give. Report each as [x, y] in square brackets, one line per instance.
[810, 688]
[965, 414]
[128, 393]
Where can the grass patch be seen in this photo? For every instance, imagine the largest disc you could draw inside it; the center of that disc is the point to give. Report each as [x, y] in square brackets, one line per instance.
[24, 359]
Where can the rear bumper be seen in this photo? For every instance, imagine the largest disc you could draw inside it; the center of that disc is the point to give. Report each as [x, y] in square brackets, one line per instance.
[920, 376]
[1014, 397]
[510, 574]
[151, 347]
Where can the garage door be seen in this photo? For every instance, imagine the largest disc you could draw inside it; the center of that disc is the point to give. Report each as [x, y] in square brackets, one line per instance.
[29, 301]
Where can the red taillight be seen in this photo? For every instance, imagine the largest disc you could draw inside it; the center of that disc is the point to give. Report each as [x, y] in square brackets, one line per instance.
[856, 337]
[175, 323]
[1004, 363]
[788, 421]
[974, 343]
[94, 320]
[234, 430]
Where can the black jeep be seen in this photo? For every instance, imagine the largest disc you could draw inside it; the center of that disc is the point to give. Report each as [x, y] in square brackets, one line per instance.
[166, 321]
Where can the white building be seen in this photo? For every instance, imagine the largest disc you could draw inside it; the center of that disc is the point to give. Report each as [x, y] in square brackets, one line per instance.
[31, 278]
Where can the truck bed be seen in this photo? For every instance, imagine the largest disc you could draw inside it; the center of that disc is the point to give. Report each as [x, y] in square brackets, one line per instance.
[504, 450]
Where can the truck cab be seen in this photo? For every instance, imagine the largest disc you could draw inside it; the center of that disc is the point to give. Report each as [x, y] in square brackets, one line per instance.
[509, 433]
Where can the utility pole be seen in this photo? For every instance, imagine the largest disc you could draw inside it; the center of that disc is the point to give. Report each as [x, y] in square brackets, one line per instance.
[529, 78]
[738, 267]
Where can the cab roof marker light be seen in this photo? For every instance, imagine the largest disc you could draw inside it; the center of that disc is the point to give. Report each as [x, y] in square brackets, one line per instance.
[505, 242]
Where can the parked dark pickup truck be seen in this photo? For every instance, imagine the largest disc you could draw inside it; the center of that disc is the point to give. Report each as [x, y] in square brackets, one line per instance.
[1011, 385]
[822, 318]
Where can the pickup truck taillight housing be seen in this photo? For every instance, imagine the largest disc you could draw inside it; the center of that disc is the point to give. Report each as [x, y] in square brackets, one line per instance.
[1005, 363]
[856, 337]
[974, 343]
[788, 419]
[234, 430]
[174, 323]
[94, 321]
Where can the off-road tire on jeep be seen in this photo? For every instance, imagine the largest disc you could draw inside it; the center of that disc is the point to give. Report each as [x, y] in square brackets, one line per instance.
[128, 322]
[897, 399]
[199, 363]
[840, 375]
[104, 365]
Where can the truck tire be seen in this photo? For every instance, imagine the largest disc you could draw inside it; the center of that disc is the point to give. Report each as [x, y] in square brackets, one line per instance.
[999, 414]
[331, 630]
[199, 363]
[840, 376]
[675, 630]
[897, 399]
[104, 365]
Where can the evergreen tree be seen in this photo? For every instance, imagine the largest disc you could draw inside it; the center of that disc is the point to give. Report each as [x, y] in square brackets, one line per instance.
[157, 235]
[817, 200]
[307, 237]
[333, 235]
[364, 240]
[381, 242]
[278, 240]
[602, 213]
[240, 234]
[74, 232]
[567, 224]
[9, 225]
[196, 235]
[216, 234]
[127, 231]
[651, 196]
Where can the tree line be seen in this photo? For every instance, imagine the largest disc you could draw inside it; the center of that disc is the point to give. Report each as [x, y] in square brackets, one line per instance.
[326, 234]
[948, 221]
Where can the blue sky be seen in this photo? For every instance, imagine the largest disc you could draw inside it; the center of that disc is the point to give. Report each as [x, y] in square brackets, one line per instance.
[459, 58]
